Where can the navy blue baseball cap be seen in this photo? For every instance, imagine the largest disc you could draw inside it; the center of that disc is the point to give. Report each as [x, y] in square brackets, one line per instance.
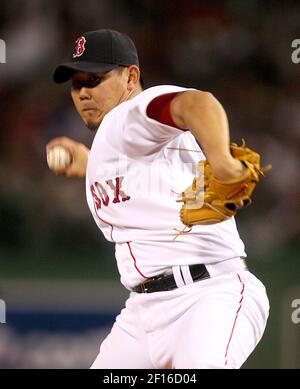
[98, 51]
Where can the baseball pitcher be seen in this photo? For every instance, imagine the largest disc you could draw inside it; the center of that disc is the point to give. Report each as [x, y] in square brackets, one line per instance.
[163, 183]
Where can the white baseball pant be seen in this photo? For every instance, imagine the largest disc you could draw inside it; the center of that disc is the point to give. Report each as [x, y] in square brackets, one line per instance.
[213, 323]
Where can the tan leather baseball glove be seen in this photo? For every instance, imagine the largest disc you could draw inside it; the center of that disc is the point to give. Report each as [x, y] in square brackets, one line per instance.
[215, 201]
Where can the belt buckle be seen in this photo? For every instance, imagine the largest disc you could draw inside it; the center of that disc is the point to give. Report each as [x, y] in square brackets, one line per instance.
[144, 288]
[149, 280]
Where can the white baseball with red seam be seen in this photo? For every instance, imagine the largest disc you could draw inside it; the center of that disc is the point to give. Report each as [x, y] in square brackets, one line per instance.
[58, 158]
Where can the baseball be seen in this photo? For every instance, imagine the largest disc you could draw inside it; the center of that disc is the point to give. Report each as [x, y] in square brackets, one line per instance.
[58, 158]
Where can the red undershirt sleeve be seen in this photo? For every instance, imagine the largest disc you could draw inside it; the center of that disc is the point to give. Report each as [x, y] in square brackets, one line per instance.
[159, 109]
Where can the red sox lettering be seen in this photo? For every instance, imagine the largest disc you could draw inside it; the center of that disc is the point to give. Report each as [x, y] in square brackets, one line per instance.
[100, 195]
[117, 190]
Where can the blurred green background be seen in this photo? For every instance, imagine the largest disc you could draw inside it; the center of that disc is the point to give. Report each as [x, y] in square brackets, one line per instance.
[240, 51]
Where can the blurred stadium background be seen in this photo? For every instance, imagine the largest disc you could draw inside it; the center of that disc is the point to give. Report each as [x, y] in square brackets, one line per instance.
[58, 276]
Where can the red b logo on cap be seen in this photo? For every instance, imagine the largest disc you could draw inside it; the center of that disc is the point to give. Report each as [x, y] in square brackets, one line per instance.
[79, 47]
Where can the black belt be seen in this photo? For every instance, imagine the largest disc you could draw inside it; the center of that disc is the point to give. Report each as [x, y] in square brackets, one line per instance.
[167, 282]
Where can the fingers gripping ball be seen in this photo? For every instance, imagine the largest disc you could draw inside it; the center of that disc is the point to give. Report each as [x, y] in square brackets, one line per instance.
[59, 158]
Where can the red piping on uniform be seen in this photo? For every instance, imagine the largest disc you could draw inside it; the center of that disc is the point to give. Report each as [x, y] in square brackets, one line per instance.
[134, 260]
[236, 316]
[111, 226]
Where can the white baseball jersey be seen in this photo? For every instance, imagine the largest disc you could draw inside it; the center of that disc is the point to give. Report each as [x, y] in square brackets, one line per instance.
[136, 171]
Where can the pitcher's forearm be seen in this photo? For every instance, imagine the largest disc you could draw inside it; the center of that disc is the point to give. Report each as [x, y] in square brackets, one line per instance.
[204, 116]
